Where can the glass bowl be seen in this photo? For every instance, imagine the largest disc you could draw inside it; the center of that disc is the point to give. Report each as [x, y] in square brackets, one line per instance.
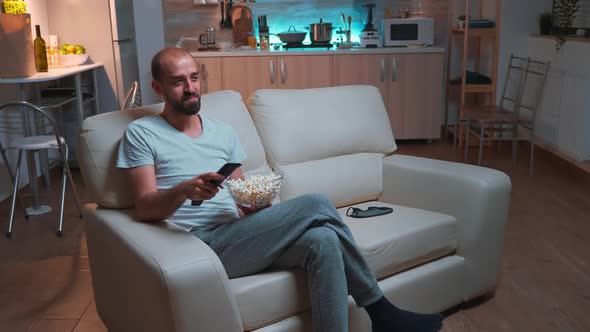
[256, 189]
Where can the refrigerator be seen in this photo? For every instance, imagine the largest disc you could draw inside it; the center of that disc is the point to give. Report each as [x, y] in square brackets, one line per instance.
[106, 28]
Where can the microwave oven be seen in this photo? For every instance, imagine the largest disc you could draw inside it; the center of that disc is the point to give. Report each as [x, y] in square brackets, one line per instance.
[407, 31]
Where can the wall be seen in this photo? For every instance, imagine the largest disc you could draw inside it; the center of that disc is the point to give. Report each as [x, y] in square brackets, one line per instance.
[519, 21]
[149, 34]
[9, 92]
[182, 18]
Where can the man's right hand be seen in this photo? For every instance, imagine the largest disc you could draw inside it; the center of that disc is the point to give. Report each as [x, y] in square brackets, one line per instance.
[200, 188]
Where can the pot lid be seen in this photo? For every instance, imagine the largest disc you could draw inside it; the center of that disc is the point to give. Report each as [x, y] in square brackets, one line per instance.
[294, 32]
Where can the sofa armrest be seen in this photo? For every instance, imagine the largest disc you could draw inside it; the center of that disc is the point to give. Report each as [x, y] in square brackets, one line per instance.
[477, 197]
[155, 277]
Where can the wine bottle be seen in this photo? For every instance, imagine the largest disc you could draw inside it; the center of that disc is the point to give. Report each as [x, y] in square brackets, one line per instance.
[40, 51]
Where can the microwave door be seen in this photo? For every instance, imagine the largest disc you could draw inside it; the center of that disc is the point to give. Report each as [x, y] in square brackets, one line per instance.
[404, 33]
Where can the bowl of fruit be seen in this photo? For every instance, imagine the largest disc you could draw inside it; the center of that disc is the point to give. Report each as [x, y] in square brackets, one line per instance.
[256, 189]
[72, 55]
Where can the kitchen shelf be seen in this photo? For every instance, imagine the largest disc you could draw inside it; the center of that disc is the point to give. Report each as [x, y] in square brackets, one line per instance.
[476, 32]
[476, 50]
[475, 88]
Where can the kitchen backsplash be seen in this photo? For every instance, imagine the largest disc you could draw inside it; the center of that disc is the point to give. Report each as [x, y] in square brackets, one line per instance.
[184, 19]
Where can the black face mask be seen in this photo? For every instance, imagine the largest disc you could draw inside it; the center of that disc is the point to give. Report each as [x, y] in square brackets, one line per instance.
[371, 211]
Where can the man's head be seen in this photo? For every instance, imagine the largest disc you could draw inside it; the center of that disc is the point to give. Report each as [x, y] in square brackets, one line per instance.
[176, 78]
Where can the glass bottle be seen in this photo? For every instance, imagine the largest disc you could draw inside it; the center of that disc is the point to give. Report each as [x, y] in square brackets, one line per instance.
[40, 51]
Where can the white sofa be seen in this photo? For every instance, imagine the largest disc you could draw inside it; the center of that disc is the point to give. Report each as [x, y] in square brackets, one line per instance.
[442, 244]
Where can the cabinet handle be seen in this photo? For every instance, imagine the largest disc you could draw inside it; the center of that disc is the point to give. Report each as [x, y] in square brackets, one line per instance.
[283, 72]
[204, 78]
[382, 69]
[394, 69]
[272, 72]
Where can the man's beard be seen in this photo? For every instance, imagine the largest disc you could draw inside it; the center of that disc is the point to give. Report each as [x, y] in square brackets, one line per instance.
[190, 108]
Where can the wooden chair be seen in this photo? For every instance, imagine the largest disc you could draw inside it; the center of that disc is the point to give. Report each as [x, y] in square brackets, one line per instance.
[133, 97]
[492, 123]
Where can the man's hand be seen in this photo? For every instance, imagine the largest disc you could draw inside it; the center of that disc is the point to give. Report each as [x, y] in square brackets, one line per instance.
[244, 210]
[200, 188]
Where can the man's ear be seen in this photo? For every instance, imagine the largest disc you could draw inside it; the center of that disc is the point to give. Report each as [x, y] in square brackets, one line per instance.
[156, 87]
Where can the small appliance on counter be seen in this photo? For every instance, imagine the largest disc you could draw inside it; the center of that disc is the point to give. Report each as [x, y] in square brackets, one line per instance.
[418, 31]
[369, 35]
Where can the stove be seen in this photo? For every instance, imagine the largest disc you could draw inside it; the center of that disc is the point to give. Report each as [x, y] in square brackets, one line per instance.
[287, 46]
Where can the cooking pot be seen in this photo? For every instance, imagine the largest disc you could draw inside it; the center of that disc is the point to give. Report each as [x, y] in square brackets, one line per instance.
[292, 37]
[320, 32]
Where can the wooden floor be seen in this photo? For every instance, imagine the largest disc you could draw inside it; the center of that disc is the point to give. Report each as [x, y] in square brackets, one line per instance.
[45, 282]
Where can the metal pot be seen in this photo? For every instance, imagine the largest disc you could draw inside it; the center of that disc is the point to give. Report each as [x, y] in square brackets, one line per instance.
[292, 37]
[320, 32]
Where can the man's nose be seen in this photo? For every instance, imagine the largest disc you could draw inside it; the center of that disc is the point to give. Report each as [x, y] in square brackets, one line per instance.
[188, 87]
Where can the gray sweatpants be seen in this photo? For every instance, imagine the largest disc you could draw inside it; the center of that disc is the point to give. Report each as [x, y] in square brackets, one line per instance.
[305, 232]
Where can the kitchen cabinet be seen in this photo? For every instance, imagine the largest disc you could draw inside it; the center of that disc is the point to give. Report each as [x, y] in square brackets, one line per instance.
[411, 86]
[248, 74]
[210, 74]
[308, 71]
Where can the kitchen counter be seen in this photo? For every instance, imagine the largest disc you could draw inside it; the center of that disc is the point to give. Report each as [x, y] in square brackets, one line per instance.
[317, 51]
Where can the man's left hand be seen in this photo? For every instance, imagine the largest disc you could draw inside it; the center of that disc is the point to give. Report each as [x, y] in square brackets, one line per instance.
[245, 210]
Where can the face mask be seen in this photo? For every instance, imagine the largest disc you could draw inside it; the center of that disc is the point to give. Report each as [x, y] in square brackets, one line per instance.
[371, 211]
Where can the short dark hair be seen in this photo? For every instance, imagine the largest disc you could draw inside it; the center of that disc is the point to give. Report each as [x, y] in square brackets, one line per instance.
[157, 60]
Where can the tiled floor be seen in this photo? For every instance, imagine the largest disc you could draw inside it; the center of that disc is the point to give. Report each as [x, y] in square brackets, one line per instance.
[45, 282]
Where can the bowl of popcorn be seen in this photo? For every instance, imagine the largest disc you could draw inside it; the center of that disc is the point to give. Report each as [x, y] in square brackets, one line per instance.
[256, 189]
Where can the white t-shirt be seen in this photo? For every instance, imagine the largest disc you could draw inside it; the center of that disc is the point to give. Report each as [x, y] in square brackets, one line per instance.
[177, 157]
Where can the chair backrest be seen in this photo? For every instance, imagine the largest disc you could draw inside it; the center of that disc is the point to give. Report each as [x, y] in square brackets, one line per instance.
[513, 83]
[535, 75]
[133, 97]
[20, 118]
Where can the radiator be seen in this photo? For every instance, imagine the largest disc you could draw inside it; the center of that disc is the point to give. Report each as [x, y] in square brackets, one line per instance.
[563, 118]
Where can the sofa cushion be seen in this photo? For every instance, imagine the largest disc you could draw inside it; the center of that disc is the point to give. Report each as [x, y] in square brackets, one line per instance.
[99, 142]
[390, 243]
[310, 124]
[345, 179]
[402, 239]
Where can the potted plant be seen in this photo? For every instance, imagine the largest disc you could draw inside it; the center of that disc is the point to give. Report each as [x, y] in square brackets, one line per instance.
[564, 12]
[545, 22]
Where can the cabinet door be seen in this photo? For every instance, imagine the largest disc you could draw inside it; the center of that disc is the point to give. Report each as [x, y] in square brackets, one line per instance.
[210, 74]
[415, 95]
[248, 74]
[365, 69]
[369, 69]
[309, 71]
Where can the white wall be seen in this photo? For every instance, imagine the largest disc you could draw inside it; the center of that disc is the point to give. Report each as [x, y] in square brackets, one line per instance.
[149, 30]
[519, 22]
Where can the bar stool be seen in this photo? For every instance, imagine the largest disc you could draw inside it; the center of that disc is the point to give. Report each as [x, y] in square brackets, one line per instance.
[30, 129]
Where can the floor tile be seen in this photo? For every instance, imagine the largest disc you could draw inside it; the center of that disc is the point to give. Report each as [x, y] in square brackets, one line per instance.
[54, 325]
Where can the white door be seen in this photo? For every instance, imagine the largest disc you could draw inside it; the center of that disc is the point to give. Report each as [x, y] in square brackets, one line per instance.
[122, 20]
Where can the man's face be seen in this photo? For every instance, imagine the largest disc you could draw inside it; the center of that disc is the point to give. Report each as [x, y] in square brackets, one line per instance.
[180, 86]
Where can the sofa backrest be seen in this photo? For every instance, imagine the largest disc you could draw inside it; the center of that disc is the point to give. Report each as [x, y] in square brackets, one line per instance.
[327, 140]
[99, 139]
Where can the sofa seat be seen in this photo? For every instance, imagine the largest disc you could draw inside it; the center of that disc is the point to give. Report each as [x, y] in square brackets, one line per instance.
[390, 243]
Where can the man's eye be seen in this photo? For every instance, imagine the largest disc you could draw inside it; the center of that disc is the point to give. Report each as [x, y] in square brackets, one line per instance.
[195, 78]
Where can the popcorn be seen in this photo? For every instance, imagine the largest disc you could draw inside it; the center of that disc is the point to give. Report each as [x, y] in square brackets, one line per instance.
[255, 190]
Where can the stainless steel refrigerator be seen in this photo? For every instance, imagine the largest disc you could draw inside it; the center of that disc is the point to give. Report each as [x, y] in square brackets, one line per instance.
[107, 29]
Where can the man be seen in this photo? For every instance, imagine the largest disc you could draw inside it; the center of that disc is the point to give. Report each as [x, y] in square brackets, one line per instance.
[170, 159]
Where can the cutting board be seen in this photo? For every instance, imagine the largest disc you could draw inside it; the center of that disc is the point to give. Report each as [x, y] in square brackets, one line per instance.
[241, 19]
